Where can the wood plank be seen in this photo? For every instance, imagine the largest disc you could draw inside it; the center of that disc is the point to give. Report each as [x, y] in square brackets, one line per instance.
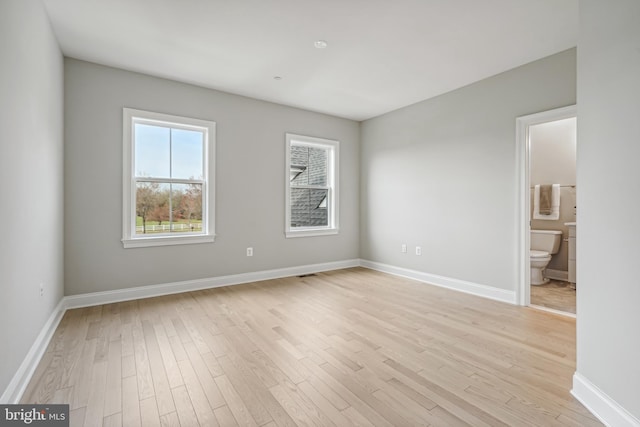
[247, 387]
[114, 420]
[143, 368]
[225, 417]
[298, 413]
[163, 394]
[76, 417]
[81, 376]
[184, 408]
[168, 358]
[149, 416]
[355, 418]
[200, 371]
[234, 402]
[128, 366]
[113, 392]
[96, 401]
[412, 394]
[201, 406]
[170, 420]
[130, 402]
[325, 407]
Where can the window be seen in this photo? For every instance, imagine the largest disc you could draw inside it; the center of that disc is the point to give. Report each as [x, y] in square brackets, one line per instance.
[167, 183]
[312, 186]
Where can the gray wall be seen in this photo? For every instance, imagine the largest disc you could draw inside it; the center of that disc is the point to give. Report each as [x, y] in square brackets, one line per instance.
[31, 156]
[441, 174]
[250, 183]
[608, 328]
[553, 161]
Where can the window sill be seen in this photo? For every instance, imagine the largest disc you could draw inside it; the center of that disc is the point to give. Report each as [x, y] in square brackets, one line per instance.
[310, 232]
[144, 242]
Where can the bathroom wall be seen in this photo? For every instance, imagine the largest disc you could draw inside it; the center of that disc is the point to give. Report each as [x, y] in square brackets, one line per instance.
[553, 161]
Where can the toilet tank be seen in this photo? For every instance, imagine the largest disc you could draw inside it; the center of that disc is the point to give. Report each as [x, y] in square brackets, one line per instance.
[546, 240]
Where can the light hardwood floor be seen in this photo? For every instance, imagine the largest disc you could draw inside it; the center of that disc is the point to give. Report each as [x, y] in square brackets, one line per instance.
[556, 294]
[348, 347]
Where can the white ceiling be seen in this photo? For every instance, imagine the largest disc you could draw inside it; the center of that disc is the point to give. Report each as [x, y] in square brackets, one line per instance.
[382, 54]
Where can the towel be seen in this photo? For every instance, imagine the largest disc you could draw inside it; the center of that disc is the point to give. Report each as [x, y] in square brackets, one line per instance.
[545, 200]
[555, 203]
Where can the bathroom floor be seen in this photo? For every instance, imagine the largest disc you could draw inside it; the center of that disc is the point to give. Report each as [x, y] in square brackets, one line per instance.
[556, 294]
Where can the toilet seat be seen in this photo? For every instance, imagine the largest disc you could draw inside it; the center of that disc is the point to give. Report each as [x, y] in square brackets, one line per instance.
[539, 254]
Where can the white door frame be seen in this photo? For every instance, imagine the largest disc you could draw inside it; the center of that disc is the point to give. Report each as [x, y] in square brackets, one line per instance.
[523, 288]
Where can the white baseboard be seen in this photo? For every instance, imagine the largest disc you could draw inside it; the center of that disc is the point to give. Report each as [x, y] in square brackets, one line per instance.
[554, 311]
[445, 282]
[556, 274]
[16, 388]
[128, 294]
[599, 404]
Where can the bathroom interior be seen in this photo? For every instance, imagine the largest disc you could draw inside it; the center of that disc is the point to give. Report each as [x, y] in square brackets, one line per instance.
[552, 176]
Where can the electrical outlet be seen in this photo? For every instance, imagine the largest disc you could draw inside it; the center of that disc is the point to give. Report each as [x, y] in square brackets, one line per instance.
[418, 250]
[249, 251]
[41, 289]
[404, 248]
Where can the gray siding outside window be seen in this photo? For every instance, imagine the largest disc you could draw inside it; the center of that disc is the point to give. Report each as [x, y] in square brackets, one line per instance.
[309, 167]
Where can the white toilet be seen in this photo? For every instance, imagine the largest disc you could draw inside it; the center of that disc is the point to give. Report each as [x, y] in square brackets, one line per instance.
[544, 243]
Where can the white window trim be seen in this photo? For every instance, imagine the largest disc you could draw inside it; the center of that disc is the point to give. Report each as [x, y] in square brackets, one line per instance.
[129, 239]
[333, 180]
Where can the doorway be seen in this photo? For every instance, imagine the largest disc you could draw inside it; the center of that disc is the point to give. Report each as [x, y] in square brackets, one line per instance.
[528, 126]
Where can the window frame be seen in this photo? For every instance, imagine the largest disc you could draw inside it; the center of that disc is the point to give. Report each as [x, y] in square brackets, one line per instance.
[129, 237]
[333, 148]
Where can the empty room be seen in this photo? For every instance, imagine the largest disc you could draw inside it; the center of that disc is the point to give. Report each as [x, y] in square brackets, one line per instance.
[286, 213]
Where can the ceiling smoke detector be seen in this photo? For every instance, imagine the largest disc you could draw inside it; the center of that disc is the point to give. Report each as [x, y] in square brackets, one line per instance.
[320, 44]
